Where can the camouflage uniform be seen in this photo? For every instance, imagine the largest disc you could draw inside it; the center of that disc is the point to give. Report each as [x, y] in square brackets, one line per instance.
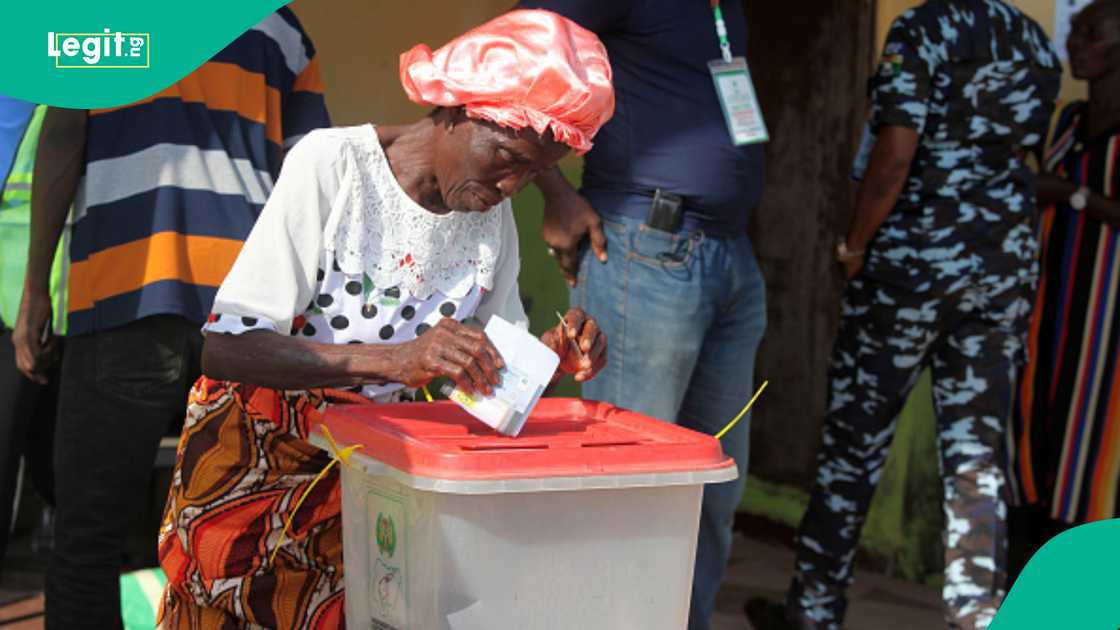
[947, 284]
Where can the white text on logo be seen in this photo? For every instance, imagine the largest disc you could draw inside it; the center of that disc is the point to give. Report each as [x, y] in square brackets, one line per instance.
[99, 50]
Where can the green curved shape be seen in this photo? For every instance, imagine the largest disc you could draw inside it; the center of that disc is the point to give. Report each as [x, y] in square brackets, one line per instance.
[181, 37]
[1070, 583]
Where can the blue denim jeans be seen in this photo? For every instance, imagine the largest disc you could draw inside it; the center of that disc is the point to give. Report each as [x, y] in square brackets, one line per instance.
[684, 314]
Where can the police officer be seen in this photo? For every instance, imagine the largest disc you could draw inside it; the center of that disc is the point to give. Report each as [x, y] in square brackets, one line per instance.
[941, 261]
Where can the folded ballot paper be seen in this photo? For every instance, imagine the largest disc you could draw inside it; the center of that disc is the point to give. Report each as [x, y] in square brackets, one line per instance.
[529, 367]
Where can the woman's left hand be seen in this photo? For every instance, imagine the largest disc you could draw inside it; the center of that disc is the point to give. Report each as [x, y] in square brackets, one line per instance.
[579, 342]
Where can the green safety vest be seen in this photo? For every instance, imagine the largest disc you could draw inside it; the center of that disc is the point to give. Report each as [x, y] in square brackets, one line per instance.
[15, 233]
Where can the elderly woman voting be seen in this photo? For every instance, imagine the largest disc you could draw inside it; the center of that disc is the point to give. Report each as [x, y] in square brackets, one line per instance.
[375, 246]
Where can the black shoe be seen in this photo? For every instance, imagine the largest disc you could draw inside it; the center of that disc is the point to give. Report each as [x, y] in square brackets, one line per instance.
[767, 614]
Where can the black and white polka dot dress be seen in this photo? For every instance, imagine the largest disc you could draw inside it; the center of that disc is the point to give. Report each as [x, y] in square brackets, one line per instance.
[384, 270]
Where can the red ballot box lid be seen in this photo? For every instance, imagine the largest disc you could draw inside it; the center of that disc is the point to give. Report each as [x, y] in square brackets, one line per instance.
[562, 438]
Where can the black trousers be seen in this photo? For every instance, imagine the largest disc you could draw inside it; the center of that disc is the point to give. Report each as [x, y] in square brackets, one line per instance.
[122, 390]
[27, 418]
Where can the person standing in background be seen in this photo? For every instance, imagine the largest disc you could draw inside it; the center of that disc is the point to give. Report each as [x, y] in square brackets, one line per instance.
[941, 258]
[1066, 460]
[15, 115]
[165, 191]
[655, 242]
[27, 409]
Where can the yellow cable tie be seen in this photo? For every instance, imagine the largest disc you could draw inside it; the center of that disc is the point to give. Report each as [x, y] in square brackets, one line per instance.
[342, 454]
[427, 394]
[339, 455]
[743, 412]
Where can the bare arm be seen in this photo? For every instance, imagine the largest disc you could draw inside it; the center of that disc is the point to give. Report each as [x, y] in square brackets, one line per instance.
[553, 183]
[58, 166]
[450, 349]
[458, 351]
[568, 219]
[878, 193]
[1051, 189]
[273, 360]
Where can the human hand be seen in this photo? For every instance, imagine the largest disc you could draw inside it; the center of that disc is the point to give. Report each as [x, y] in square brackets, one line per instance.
[1051, 189]
[568, 219]
[35, 351]
[850, 259]
[452, 349]
[579, 342]
[852, 267]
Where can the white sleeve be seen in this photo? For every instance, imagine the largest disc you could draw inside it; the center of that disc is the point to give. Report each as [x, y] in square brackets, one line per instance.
[275, 275]
[505, 299]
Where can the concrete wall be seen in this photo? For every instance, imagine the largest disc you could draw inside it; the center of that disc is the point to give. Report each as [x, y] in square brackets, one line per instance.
[360, 41]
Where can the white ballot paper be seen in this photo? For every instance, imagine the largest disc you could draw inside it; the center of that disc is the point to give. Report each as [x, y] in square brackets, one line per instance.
[529, 367]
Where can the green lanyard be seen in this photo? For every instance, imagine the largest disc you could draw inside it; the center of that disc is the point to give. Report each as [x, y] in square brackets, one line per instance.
[721, 31]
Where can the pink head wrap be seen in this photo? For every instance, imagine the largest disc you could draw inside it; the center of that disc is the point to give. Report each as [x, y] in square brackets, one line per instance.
[526, 68]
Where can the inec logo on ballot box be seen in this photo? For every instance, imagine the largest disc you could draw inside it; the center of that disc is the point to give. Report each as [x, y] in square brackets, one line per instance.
[100, 50]
[386, 535]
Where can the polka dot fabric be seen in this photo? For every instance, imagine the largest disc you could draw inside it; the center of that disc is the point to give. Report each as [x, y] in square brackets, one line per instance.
[349, 309]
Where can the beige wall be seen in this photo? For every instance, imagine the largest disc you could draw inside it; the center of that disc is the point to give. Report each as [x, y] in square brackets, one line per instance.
[359, 43]
[1041, 10]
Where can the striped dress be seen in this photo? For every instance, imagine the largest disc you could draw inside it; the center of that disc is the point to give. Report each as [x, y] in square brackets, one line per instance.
[1066, 450]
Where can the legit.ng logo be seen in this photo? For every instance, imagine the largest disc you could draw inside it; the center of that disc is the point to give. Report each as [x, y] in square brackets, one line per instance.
[106, 50]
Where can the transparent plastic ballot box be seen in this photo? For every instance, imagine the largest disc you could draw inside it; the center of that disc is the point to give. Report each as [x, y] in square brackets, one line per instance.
[585, 521]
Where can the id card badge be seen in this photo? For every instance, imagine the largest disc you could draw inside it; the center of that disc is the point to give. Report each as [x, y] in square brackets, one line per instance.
[738, 100]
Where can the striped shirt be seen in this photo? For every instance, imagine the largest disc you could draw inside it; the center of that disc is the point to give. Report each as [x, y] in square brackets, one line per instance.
[173, 183]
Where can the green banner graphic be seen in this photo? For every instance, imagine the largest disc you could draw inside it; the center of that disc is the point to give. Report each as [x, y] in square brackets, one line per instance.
[76, 53]
[1070, 583]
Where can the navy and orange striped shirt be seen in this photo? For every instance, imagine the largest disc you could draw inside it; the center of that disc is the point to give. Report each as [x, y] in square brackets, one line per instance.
[173, 183]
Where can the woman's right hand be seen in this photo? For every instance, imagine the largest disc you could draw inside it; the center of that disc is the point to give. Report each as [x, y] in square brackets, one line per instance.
[452, 349]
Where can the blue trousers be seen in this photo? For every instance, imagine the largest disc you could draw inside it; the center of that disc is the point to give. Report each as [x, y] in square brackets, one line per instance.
[684, 314]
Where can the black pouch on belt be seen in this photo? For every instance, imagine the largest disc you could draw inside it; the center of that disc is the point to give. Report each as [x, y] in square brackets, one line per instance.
[666, 212]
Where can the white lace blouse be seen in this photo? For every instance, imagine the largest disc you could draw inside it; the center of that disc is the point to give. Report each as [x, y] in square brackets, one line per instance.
[341, 254]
